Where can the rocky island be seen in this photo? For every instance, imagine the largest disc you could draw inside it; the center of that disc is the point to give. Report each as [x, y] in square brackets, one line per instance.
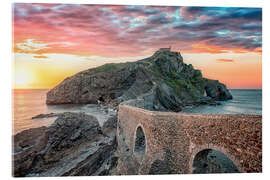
[162, 82]
[75, 144]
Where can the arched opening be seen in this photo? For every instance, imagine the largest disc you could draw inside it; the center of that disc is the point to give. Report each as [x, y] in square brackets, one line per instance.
[212, 161]
[101, 99]
[140, 144]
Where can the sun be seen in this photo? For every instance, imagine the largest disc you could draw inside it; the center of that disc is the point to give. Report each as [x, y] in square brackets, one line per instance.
[23, 77]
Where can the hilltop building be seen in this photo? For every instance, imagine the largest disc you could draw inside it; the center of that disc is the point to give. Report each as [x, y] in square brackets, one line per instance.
[165, 49]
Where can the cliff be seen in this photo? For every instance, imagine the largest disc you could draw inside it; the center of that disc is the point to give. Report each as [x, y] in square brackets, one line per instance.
[160, 82]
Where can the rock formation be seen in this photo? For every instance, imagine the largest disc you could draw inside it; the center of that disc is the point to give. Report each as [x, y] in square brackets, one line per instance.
[160, 82]
[73, 145]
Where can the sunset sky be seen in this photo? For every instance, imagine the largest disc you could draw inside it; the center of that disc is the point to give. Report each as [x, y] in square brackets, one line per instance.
[54, 41]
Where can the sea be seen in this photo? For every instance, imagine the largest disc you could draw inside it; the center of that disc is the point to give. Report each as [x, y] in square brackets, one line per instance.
[245, 101]
[28, 103]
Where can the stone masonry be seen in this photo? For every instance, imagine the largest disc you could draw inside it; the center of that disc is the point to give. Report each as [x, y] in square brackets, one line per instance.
[172, 140]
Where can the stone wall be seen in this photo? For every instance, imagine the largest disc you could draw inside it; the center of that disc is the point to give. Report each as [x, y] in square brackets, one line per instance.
[174, 139]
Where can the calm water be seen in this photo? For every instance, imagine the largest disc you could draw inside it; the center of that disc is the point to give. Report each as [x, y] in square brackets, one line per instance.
[243, 102]
[29, 103]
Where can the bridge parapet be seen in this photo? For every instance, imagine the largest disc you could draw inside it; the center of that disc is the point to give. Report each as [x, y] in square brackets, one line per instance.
[172, 140]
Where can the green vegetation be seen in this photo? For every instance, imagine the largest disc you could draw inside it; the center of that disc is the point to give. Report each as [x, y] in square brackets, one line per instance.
[186, 85]
[184, 89]
[112, 67]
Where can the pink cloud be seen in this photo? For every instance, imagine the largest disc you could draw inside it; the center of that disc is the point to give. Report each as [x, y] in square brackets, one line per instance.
[186, 15]
[104, 30]
[204, 18]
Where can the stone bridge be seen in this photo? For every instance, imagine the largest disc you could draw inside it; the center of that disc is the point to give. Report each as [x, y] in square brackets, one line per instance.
[152, 142]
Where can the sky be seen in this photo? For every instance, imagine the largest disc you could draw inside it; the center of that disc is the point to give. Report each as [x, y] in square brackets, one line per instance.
[54, 41]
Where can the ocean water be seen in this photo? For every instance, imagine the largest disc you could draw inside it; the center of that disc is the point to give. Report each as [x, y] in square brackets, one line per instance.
[28, 103]
[245, 101]
[31, 102]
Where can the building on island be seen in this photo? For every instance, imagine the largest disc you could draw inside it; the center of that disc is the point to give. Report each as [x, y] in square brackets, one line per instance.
[165, 49]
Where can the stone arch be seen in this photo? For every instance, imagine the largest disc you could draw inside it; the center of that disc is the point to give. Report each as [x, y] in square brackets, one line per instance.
[139, 141]
[212, 159]
[165, 166]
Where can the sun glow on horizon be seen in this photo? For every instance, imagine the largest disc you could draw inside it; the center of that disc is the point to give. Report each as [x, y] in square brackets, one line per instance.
[34, 71]
[23, 77]
[50, 43]
[45, 71]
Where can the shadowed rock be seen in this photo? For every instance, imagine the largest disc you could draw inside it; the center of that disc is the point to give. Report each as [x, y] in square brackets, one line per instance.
[46, 115]
[73, 145]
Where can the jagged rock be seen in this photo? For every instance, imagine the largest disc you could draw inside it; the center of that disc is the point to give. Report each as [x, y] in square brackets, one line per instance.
[26, 144]
[168, 98]
[46, 115]
[217, 90]
[73, 145]
[172, 84]
[28, 138]
[109, 124]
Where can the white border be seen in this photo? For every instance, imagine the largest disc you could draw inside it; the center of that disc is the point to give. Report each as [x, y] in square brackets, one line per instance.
[5, 60]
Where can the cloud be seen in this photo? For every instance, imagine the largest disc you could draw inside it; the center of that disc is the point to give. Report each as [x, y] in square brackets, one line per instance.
[115, 31]
[30, 45]
[190, 13]
[34, 46]
[249, 14]
[160, 19]
[225, 60]
[41, 56]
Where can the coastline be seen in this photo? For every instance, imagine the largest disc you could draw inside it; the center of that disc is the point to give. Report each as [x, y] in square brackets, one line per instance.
[36, 139]
[224, 107]
[149, 95]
